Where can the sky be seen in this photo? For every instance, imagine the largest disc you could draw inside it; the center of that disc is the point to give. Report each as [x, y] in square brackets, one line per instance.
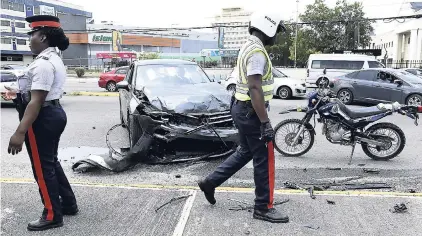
[186, 13]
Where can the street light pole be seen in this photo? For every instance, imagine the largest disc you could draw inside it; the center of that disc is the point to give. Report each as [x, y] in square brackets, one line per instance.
[297, 20]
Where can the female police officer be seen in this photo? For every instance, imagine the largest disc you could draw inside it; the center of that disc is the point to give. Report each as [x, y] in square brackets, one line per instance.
[42, 120]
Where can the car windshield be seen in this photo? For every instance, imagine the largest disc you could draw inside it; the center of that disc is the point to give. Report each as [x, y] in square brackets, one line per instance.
[375, 64]
[169, 75]
[278, 73]
[409, 77]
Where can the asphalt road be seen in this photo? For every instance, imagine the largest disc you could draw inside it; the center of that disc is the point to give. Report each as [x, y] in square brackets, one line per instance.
[89, 119]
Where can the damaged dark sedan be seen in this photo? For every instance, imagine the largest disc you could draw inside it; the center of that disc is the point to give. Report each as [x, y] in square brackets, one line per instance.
[174, 112]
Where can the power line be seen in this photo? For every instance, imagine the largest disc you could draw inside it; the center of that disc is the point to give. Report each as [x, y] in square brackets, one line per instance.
[156, 30]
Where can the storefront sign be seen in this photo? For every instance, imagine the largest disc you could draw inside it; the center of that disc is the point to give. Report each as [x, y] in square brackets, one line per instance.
[105, 38]
[47, 10]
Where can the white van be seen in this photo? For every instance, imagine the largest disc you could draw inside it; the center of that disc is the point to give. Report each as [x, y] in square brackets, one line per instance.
[336, 65]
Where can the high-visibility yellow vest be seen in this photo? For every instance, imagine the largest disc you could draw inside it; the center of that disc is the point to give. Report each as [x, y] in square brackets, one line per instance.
[253, 45]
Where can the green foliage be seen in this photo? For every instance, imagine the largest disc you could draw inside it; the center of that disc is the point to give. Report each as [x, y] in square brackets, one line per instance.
[323, 37]
[149, 56]
[80, 72]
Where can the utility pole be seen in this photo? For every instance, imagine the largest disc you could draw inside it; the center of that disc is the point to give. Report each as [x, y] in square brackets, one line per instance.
[297, 20]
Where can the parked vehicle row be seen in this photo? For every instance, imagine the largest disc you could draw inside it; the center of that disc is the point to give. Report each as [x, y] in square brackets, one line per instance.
[285, 87]
[379, 85]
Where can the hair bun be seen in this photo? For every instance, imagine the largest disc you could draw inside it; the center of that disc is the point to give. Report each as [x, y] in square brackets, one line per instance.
[63, 43]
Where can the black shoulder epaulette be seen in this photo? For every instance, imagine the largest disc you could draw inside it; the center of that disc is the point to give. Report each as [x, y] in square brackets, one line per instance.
[45, 58]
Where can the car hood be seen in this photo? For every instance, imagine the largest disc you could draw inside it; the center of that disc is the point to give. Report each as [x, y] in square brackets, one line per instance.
[190, 98]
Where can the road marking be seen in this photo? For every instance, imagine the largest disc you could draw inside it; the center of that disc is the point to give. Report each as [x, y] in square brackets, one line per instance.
[97, 94]
[180, 227]
[221, 189]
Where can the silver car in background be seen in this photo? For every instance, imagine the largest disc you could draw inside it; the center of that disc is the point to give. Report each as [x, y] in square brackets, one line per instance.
[379, 85]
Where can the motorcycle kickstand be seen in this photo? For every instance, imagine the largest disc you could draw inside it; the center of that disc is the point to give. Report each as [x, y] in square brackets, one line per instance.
[351, 155]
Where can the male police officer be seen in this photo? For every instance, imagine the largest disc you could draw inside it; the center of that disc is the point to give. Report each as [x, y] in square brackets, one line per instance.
[253, 92]
[42, 120]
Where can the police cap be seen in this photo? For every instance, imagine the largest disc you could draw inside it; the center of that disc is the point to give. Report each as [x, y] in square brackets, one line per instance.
[40, 21]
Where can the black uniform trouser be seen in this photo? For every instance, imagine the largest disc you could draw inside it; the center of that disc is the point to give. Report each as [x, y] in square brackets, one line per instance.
[42, 142]
[251, 147]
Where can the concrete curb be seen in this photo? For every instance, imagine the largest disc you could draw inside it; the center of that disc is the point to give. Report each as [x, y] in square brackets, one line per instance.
[97, 94]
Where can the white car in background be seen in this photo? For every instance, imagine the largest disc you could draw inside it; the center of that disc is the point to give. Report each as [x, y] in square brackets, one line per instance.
[18, 70]
[285, 87]
[8, 79]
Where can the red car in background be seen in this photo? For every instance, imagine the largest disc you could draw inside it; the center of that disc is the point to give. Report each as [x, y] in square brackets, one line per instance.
[108, 80]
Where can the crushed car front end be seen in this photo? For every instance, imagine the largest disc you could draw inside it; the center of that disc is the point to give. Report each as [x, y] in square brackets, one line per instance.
[174, 135]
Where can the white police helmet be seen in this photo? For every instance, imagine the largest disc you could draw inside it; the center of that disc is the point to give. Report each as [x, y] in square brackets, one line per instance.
[268, 23]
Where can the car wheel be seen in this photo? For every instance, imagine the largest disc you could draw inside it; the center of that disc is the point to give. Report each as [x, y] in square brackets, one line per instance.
[111, 86]
[231, 88]
[345, 96]
[414, 100]
[284, 92]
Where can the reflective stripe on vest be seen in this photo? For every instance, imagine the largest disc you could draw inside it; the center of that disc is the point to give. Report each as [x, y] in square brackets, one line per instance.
[242, 89]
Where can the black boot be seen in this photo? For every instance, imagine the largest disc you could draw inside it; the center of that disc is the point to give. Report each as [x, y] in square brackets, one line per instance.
[42, 224]
[208, 190]
[271, 215]
[70, 210]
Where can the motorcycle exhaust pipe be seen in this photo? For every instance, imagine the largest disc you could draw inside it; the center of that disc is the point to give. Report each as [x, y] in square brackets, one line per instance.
[370, 141]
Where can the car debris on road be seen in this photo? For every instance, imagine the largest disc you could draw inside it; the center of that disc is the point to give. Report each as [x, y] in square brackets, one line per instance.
[399, 208]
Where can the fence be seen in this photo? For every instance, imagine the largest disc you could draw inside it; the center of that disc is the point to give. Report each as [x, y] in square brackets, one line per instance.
[399, 64]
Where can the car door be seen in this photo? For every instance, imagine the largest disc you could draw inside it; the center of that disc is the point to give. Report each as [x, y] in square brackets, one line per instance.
[362, 84]
[384, 89]
[126, 94]
[120, 74]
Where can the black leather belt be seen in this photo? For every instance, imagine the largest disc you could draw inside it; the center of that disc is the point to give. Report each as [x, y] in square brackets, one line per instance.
[249, 103]
[55, 102]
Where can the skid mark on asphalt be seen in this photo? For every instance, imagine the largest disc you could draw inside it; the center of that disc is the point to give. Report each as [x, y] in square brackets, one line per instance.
[222, 189]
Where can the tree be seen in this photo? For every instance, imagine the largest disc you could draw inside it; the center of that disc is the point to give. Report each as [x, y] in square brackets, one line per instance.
[280, 50]
[346, 31]
[304, 47]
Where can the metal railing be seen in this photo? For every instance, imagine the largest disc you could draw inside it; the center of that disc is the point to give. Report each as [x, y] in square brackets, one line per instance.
[400, 64]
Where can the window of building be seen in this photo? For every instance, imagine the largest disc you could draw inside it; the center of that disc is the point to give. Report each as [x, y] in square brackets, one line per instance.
[5, 23]
[392, 45]
[36, 10]
[6, 40]
[5, 4]
[20, 41]
[19, 25]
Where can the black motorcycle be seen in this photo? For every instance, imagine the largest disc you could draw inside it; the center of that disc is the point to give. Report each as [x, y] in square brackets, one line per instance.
[344, 125]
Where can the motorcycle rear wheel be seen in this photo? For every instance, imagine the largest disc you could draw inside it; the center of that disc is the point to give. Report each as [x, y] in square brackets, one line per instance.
[371, 151]
[288, 138]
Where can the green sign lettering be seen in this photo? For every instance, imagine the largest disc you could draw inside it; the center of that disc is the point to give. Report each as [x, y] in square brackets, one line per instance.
[102, 38]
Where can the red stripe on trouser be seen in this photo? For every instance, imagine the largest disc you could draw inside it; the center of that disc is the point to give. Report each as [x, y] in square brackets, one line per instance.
[271, 163]
[39, 174]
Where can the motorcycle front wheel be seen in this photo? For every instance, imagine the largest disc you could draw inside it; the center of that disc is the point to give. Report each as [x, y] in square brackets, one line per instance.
[286, 131]
[391, 135]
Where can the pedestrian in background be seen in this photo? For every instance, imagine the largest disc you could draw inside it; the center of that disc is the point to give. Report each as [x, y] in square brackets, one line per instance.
[254, 90]
[43, 120]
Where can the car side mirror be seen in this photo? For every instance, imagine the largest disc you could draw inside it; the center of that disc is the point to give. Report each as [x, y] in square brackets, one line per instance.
[324, 71]
[398, 82]
[123, 85]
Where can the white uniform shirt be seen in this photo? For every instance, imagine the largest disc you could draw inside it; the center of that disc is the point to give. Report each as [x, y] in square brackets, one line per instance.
[47, 72]
[256, 63]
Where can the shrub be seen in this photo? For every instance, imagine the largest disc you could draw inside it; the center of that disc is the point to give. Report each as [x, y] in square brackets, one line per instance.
[80, 72]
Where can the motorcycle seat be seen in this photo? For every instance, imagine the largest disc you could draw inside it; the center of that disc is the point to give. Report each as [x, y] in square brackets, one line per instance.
[360, 112]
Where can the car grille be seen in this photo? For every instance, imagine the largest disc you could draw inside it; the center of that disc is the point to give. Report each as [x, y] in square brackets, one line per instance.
[218, 119]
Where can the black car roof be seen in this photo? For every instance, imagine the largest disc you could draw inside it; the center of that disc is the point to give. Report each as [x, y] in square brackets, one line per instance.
[164, 62]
